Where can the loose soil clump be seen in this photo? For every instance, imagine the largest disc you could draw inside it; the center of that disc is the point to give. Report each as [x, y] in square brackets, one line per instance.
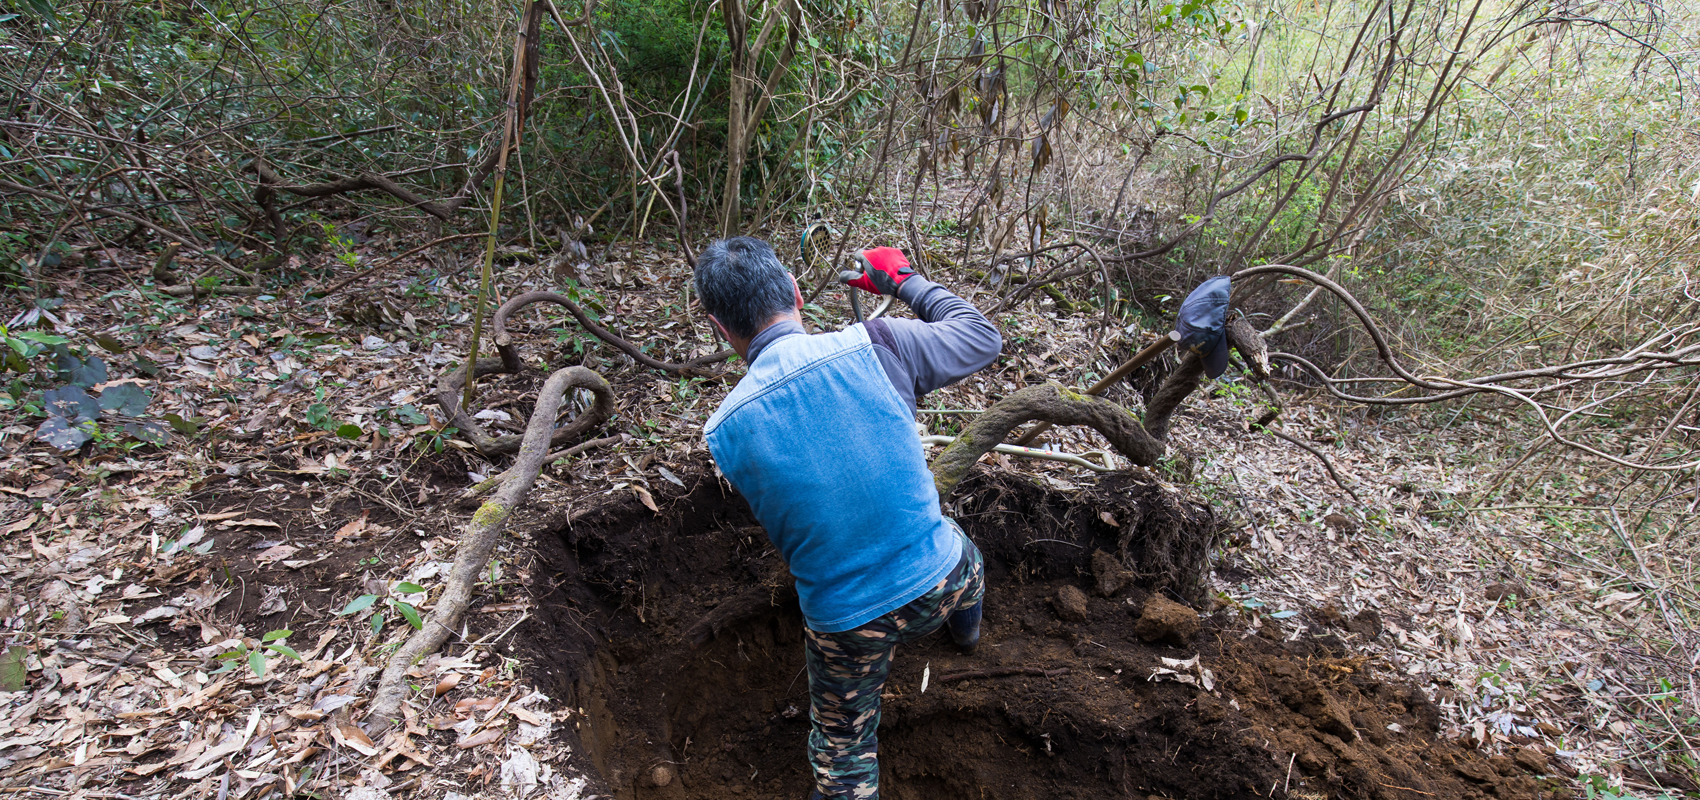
[1065, 698]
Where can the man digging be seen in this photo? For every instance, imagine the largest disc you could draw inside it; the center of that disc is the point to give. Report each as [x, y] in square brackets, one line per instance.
[820, 438]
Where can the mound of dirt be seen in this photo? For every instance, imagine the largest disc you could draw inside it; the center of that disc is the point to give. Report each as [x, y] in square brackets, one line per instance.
[1065, 698]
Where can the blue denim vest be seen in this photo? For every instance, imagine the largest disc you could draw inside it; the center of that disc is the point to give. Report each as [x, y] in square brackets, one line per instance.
[817, 440]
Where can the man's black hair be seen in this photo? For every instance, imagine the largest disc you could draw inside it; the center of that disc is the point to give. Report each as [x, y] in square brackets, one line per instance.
[742, 283]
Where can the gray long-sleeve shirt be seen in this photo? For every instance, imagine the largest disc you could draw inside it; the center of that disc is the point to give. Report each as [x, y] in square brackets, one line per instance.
[949, 342]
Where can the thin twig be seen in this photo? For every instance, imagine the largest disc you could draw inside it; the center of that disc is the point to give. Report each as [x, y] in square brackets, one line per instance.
[391, 261]
[1319, 456]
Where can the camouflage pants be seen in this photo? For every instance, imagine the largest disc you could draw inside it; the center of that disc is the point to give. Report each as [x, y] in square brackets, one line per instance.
[847, 672]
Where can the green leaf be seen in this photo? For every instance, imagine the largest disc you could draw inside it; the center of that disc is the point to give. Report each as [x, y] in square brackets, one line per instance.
[349, 430]
[41, 338]
[109, 343]
[14, 672]
[410, 614]
[284, 649]
[148, 431]
[67, 436]
[358, 605]
[257, 662]
[71, 402]
[187, 427]
[409, 588]
[1283, 614]
[82, 372]
[410, 414]
[45, 11]
[272, 636]
[125, 398]
[377, 621]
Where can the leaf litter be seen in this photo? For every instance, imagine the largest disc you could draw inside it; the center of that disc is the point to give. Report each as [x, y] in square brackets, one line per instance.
[129, 579]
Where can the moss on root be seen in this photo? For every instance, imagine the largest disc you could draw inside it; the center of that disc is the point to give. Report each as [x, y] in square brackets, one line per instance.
[490, 514]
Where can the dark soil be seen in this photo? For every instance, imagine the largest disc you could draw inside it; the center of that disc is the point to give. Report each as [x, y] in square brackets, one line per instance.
[1047, 708]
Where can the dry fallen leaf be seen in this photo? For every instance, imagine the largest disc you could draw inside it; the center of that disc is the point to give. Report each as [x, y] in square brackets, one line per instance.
[45, 489]
[276, 553]
[645, 498]
[20, 525]
[448, 682]
[471, 705]
[404, 749]
[486, 736]
[348, 735]
[353, 528]
[76, 674]
[526, 715]
[144, 770]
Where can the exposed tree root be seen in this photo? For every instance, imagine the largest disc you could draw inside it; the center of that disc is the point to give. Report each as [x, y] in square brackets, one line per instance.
[1002, 672]
[448, 397]
[1142, 443]
[748, 603]
[480, 539]
[1051, 403]
[697, 367]
[1166, 542]
[490, 483]
[1171, 393]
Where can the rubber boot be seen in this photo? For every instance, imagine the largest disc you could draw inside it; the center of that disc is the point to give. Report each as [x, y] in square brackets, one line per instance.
[964, 627]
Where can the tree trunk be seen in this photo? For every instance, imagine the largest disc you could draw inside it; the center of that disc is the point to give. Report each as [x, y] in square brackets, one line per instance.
[737, 19]
[747, 100]
[731, 208]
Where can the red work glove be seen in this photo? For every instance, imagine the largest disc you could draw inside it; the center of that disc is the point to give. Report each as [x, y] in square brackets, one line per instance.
[887, 269]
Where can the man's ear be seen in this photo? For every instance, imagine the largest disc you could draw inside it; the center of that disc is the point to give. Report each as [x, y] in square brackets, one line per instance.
[795, 290]
[719, 327]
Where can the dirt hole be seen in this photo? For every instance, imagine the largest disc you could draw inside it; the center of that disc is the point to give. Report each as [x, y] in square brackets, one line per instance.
[1290, 713]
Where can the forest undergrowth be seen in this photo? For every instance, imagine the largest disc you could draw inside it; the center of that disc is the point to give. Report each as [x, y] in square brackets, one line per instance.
[241, 246]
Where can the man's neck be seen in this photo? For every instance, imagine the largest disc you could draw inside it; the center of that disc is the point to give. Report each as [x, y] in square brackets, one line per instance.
[779, 327]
